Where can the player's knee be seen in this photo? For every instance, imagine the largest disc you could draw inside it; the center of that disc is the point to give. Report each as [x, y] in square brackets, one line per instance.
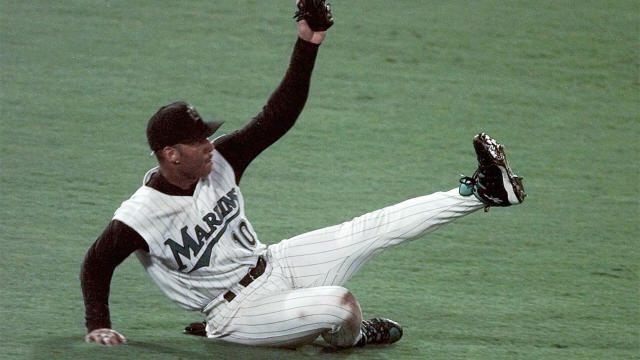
[343, 301]
[345, 332]
[350, 305]
[350, 301]
[355, 320]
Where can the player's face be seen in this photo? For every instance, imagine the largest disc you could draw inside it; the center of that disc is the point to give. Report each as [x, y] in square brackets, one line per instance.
[195, 158]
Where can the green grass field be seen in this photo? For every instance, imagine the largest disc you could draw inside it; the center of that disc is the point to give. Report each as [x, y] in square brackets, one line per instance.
[399, 90]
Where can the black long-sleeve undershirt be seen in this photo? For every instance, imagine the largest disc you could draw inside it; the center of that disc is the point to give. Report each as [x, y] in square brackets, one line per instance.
[239, 148]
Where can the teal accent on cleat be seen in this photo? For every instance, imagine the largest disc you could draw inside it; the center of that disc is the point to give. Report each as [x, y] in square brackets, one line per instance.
[466, 188]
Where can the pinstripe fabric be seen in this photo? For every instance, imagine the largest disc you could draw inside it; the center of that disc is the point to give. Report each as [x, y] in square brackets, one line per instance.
[200, 247]
[331, 256]
[213, 219]
[300, 295]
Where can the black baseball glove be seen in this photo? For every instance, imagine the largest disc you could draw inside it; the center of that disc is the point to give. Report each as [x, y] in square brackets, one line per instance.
[317, 13]
[196, 328]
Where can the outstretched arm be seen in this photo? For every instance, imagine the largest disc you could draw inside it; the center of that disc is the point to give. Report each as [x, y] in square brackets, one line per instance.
[282, 109]
[115, 243]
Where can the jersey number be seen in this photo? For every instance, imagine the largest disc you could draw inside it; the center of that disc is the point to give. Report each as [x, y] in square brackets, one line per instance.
[244, 236]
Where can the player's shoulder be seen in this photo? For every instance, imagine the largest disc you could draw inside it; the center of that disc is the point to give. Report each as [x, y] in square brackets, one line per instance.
[221, 166]
[145, 200]
[141, 200]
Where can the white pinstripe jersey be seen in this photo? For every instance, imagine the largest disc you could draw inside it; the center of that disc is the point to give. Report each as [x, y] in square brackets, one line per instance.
[200, 245]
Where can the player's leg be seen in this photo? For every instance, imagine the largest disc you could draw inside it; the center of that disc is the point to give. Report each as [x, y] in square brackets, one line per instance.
[291, 318]
[332, 255]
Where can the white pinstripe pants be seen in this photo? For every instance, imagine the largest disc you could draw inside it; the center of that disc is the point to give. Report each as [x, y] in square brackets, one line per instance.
[300, 295]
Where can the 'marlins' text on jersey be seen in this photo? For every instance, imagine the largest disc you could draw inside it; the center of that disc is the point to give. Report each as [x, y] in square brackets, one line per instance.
[206, 236]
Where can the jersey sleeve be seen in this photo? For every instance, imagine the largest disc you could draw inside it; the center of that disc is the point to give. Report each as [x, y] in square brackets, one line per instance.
[278, 116]
[115, 244]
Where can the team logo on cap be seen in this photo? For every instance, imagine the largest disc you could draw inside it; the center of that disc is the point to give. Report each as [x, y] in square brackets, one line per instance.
[193, 113]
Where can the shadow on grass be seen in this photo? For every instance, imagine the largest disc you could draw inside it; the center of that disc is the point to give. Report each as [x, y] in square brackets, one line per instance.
[72, 347]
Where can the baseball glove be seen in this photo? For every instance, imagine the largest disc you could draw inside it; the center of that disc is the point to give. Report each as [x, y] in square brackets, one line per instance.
[317, 13]
[196, 328]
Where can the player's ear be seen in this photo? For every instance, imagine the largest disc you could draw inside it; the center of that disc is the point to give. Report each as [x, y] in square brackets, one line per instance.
[171, 154]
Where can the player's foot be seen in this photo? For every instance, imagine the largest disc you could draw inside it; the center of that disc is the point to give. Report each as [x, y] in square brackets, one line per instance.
[379, 331]
[493, 183]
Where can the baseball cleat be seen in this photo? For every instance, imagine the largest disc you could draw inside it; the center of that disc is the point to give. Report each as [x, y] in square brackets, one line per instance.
[379, 331]
[493, 183]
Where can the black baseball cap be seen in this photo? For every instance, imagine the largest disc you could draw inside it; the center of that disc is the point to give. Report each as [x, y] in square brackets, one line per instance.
[178, 123]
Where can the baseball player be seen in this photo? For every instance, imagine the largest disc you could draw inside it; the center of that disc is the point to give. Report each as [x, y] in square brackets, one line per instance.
[187, 226]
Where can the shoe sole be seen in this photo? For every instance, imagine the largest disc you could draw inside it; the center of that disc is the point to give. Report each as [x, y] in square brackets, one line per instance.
[490, 152]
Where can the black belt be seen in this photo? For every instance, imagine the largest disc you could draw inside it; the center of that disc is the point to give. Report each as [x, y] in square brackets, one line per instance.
[253, 274]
